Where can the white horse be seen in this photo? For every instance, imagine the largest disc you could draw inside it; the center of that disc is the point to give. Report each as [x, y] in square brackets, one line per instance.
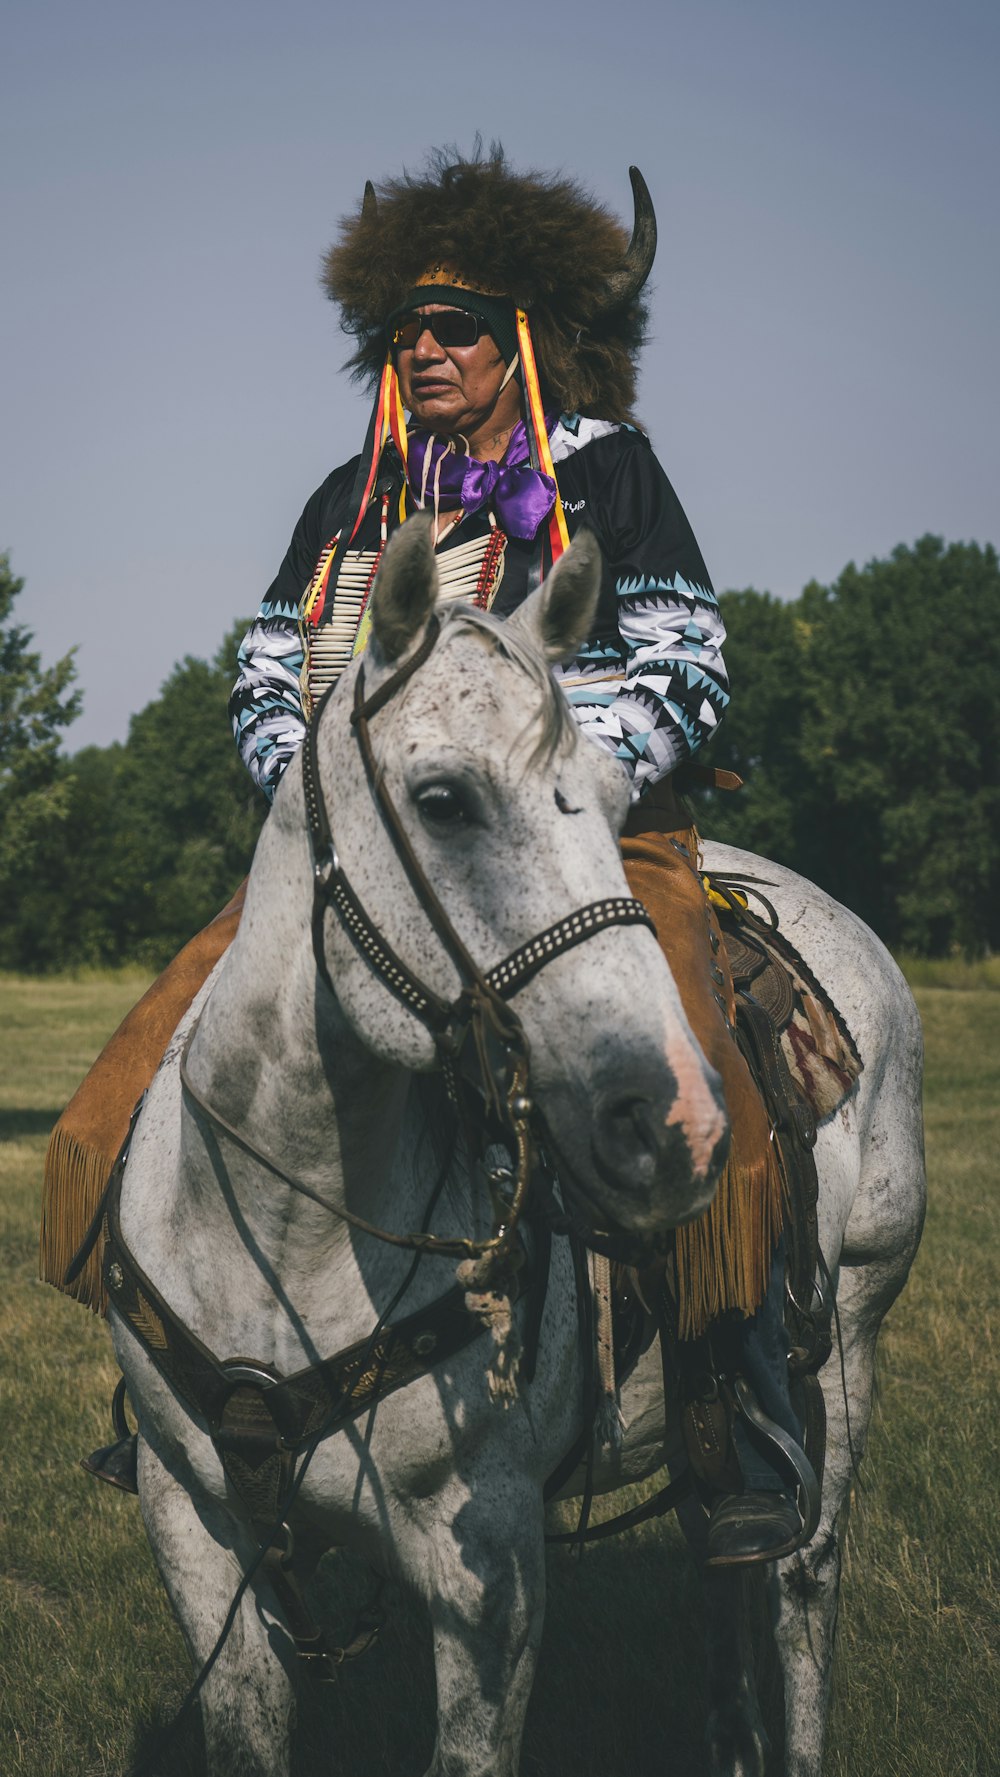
[516, 824]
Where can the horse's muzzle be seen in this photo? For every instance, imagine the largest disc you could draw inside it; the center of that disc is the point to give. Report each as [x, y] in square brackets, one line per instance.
[658, 1163]
[650, 1154]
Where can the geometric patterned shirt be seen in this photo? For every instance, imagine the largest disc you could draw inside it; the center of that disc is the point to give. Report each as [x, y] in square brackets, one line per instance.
[649, 685]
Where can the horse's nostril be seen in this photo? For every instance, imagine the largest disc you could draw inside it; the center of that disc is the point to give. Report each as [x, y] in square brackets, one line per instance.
[630, 1134]
[632, 1122]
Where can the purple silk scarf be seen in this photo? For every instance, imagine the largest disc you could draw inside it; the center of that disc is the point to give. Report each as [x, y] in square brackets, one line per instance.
[522, 497]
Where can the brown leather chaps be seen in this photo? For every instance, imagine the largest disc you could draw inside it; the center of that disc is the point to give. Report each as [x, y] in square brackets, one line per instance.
[84, 1144]
[724, 1257]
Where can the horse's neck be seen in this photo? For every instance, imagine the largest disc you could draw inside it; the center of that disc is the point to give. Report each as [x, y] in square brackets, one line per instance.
[275, 1057]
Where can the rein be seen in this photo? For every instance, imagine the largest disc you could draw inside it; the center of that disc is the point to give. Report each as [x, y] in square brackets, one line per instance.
[421, 1243]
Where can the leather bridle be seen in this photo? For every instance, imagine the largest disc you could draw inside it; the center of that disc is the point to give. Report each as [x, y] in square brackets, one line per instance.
[479, 1017]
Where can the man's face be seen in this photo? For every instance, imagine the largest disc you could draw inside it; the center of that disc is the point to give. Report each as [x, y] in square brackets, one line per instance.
[456, 388]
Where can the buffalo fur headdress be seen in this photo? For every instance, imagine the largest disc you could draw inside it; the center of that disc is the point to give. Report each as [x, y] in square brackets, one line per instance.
[542, 241]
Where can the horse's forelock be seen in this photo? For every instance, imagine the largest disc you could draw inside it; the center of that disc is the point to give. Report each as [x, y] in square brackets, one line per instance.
[555, 732]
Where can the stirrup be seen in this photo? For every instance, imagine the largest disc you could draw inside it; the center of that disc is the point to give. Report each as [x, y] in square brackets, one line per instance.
[117, 1463]
[809, 1499]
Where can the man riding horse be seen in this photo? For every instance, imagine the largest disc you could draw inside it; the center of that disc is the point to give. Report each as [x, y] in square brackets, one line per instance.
[498, 318]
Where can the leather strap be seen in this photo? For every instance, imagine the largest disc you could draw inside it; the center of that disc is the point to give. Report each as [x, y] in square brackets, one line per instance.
[666, 1500]
[257, 1418]
[521, 965]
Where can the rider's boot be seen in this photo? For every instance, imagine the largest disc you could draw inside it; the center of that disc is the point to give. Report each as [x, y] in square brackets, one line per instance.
[762, 1520]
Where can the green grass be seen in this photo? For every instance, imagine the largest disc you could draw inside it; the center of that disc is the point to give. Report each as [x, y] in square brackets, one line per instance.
[961, 973]
[92, 1664]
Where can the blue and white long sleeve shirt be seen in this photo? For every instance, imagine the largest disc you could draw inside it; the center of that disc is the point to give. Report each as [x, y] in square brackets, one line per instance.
[649, 685]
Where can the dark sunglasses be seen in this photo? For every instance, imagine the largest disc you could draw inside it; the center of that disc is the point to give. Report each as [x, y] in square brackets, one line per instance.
[450, 327]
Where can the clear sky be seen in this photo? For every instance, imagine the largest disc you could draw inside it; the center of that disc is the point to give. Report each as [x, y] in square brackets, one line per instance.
[823, 377]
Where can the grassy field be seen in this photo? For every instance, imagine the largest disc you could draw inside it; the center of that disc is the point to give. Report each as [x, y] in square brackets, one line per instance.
[91, 1664]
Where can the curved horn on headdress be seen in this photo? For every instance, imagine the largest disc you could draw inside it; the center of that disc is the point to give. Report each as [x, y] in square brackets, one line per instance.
[369, 204]
[624, 285]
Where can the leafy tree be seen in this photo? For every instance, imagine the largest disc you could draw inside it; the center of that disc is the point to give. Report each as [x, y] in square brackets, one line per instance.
[155, 836]
[902, 684]
[189, 814]
[760, 738]
[866, 720]
[36, 704]
[71, 910]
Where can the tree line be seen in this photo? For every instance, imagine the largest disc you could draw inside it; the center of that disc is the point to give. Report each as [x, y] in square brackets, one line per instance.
[865, 722]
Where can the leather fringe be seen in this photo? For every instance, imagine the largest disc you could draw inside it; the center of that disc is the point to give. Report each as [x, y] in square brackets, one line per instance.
[724, 1257]
[76, 1173]
[85, 1142]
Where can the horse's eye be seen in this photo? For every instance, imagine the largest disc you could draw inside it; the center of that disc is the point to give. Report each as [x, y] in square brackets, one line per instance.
[441, 805]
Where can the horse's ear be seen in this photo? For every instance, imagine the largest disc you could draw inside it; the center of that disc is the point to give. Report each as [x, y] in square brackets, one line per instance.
[559, 617]
[405, 588]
